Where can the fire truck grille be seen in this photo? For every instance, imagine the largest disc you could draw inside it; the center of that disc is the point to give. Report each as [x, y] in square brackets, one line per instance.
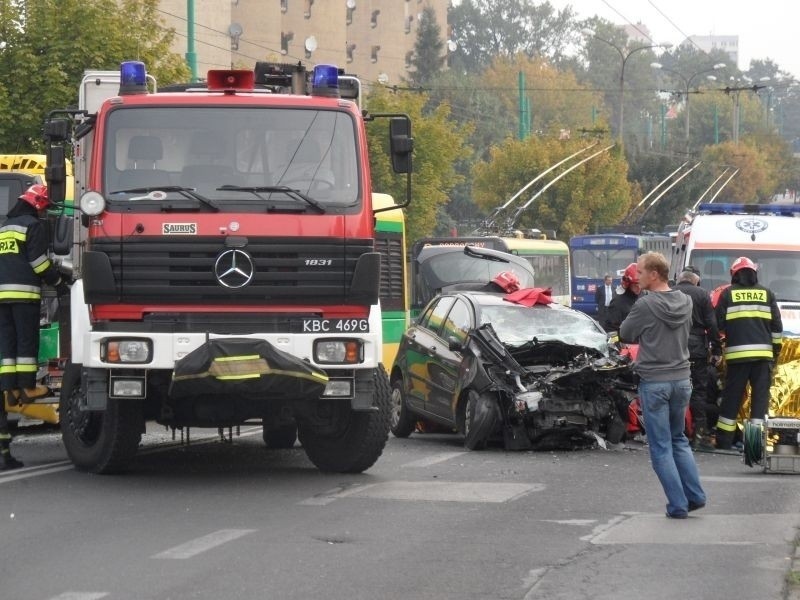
[243, 271]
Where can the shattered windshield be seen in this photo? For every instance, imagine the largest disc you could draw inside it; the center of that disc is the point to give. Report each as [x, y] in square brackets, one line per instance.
[516, 324]
[294, 158]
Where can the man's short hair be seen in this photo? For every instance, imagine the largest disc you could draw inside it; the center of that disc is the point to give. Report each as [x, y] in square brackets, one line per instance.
[692, 269]
[690, 276]
[655, 261]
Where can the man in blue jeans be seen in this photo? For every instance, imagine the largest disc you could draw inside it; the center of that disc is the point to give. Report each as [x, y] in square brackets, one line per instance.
[659, 323]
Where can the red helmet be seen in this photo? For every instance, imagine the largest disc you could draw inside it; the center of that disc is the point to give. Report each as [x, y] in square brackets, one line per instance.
[36, 196]
[630, 276]
[507, 280]
[742, 263]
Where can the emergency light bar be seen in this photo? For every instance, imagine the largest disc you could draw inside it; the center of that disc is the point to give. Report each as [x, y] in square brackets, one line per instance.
[132, 78]
[325, 81]
[785, 210]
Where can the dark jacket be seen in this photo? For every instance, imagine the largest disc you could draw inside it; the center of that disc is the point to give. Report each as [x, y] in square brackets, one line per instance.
[619, 308]
[704, 330]
[600, 301]
[24, 262]
[749, 318]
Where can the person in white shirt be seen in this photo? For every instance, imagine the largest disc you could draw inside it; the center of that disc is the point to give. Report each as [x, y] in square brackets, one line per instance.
[602, 297]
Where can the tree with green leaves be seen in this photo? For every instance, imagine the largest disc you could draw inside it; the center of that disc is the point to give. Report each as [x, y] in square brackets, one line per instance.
[596, 193]
[47, 44]
[486, 29]
[428, 48]
[439, 143]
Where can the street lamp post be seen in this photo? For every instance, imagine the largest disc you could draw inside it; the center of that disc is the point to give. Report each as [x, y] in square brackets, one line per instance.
[624, 56]
[687, 81]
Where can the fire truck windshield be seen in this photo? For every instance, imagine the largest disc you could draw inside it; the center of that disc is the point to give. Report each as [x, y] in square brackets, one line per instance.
[289, 154]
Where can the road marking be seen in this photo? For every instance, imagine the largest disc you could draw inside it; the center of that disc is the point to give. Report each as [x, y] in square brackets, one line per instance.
[329, 496]
[27, 472]
[201, 544]
[433, 460]
[602, 527]
[80, 596]
[65, 465]
[703, 529]
[746, 479]
[578, 522]
[443, 491]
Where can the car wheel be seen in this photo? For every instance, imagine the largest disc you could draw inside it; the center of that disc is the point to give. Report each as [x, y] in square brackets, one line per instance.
[480, 420]
[401, 421]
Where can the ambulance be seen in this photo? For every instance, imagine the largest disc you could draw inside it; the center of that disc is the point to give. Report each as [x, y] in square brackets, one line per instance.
[769, 234]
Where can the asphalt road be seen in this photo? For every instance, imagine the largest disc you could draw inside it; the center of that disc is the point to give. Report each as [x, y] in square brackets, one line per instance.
[219, 520]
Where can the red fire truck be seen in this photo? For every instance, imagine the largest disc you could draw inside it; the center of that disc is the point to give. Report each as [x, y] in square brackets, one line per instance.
[224, 263]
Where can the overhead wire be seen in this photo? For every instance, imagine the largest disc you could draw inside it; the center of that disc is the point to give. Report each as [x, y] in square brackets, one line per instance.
[678, 29]
[626, 19]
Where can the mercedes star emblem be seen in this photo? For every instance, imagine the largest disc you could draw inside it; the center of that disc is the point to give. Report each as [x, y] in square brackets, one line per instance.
[234, 269]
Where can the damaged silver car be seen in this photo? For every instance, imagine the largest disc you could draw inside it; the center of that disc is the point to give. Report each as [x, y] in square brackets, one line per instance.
[530, 373]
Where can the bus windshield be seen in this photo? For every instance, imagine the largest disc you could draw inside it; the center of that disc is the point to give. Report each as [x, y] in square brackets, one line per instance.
[594, 263]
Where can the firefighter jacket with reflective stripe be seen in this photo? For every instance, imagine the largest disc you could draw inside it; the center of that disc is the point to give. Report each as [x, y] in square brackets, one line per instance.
[23, 260]
[751, 323]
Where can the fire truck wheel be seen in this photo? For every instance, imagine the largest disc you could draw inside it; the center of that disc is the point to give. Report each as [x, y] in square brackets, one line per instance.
[97, 441]
[480, 419]
[358, 438]
[401, 422]
[280, 437]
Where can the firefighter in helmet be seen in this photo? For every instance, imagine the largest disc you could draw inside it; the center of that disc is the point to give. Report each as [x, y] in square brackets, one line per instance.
[748, 317]
[24, 264]
[622, 303]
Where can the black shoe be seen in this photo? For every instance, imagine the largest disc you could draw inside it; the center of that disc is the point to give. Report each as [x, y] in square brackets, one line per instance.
[677, 516]
[723, 440]
[696, 505]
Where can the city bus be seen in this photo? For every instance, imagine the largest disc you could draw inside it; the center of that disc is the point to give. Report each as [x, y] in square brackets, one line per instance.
[595, 255]
[548, 258]
[390, 242]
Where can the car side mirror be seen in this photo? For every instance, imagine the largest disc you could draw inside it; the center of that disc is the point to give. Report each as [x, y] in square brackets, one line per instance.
[454, 344]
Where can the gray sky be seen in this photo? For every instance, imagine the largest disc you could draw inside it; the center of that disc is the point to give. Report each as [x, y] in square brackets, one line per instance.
[766, 28]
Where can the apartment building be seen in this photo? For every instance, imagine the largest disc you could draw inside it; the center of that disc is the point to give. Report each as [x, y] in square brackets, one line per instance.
[371, 38]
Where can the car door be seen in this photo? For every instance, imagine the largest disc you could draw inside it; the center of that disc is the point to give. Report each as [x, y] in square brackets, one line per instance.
[421, 343]
[444, 364]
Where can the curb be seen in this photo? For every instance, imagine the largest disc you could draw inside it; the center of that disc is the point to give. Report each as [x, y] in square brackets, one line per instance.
[793, 575]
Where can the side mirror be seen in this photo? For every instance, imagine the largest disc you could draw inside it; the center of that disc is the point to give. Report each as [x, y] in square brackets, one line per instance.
[401, 144]
[454, 344]
[56, 130]
[55, 174]
[62, 235]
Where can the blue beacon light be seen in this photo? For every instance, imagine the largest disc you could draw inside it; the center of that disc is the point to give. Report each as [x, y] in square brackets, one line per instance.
[325, 81]
[132, 78]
